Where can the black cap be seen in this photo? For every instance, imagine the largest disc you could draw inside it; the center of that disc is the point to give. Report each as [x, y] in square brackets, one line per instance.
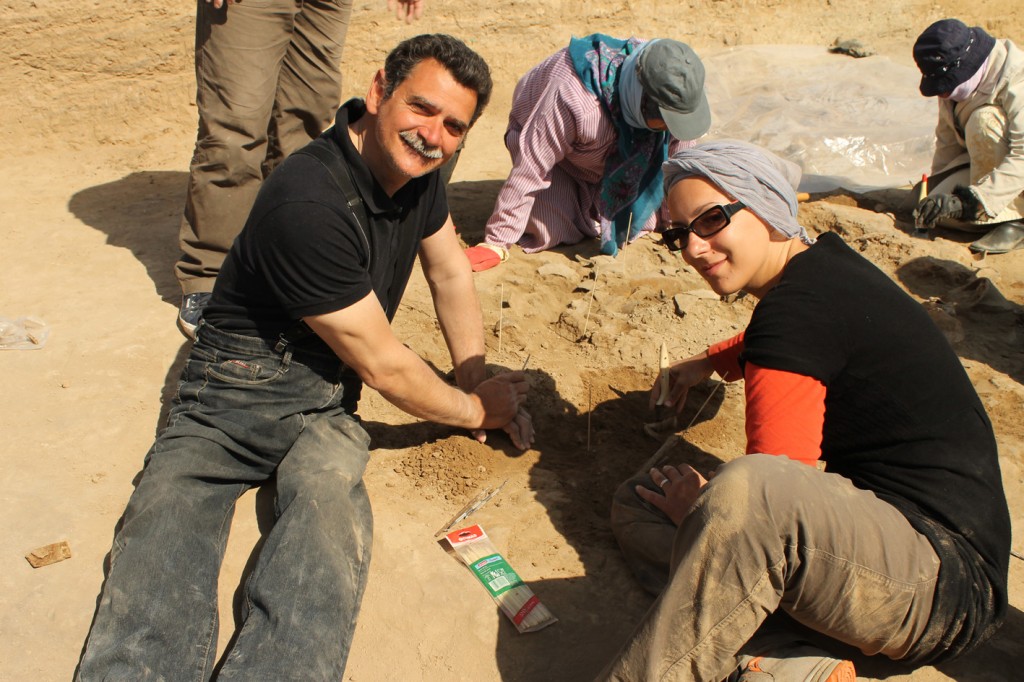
[949, 53]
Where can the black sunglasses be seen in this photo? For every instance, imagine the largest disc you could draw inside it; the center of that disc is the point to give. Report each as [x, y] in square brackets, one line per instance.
[708, 223]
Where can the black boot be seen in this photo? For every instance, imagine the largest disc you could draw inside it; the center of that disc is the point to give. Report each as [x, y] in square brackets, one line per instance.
[1002, 238]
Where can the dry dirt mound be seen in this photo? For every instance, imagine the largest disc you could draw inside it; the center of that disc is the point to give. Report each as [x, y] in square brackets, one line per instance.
[97, 124]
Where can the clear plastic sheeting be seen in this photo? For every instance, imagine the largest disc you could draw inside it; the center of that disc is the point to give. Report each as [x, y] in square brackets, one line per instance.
[23, 333]
[859, 124]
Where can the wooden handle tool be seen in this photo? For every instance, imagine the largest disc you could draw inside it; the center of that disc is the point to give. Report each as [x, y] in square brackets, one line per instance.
[922, 192]
[663, 375]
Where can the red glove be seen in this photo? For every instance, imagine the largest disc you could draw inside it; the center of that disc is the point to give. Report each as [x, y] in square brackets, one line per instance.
[486, 256]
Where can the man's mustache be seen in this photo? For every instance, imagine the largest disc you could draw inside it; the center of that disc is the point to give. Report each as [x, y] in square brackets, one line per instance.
[416, 142]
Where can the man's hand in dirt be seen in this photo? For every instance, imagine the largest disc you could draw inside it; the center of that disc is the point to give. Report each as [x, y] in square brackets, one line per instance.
[406, 10]
[217, 4]
[520, 430]
[501, 397]
[680, 487]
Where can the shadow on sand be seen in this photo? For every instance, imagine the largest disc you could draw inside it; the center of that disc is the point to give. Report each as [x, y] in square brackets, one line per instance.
[140, 212]
[966, 306]
[574, 479]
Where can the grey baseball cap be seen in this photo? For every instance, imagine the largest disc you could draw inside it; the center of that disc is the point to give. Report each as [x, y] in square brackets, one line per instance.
[672, 75]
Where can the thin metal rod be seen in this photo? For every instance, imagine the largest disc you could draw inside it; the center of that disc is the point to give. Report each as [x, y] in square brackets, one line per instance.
[590, 407]
[501, 313]
[586, 322]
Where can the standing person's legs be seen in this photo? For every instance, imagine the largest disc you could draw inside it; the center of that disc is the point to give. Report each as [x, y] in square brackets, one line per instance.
[309, 80]
[303, 596]
[239, 50]
[769, 533]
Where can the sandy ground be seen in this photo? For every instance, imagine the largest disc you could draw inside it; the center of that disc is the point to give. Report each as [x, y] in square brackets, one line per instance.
[96, 126]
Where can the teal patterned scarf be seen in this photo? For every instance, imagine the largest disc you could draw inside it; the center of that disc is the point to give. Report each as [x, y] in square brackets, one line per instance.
[631, 186]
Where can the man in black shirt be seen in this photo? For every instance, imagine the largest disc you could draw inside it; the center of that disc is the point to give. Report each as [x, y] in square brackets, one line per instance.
[299, 319]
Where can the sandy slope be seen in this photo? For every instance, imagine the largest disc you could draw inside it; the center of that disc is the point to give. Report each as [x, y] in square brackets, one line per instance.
[96, 125]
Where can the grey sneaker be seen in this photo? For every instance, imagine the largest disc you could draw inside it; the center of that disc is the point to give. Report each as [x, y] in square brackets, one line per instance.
[798, 663]
[191, 311]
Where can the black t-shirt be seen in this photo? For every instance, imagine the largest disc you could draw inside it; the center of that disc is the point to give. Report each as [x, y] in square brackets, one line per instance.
[304, 252]
[901, 419]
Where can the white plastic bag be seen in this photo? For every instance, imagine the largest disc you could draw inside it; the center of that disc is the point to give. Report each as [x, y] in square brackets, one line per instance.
[24, 333]
[859, 124]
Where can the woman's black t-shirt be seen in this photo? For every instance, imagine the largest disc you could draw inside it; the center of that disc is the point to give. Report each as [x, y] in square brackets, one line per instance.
[901, 419]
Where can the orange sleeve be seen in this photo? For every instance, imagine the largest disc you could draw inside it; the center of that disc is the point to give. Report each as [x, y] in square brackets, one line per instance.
[725, 357]
[785, 413]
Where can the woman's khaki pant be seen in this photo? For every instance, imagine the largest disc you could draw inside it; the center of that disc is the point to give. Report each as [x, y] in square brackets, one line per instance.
[768, 534]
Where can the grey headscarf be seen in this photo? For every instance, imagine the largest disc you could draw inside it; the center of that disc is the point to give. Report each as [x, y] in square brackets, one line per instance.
[764, 183]
[630, 91]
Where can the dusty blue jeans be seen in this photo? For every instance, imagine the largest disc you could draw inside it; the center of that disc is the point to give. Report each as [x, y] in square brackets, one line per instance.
[243, 413]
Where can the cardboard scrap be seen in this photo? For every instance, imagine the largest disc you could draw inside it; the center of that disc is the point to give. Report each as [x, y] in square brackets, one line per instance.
[49, 554]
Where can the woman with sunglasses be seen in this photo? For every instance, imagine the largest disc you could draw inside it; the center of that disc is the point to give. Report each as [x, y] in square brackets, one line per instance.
[869, 508]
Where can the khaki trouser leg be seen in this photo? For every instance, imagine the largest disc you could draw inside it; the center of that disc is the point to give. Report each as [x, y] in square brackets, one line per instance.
[309, 85]
[987, 145]
[769, 533]
[250, 59]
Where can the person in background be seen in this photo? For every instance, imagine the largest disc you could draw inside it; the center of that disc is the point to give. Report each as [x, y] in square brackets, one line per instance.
[977, 177]
[268, 81]
[588, 131]
[869, 508]
[298, 321]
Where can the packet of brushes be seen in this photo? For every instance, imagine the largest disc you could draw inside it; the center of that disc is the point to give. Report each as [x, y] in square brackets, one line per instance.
[514, 597]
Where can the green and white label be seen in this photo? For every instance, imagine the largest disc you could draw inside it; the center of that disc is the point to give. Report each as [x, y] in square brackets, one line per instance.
[496, 575]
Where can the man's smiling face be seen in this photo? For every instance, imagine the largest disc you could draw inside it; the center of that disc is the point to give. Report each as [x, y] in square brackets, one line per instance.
[419, 127]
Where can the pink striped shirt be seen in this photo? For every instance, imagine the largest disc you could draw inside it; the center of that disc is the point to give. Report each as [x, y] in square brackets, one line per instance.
[559, 138]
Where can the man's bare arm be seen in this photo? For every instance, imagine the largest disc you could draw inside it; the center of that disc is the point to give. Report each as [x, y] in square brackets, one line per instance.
[450, 278]
[362, 338]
